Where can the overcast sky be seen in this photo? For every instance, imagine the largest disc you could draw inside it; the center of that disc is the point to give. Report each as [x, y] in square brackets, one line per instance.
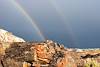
[75, 23]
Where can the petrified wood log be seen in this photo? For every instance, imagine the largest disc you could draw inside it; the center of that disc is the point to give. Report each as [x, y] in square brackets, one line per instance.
[46, 54]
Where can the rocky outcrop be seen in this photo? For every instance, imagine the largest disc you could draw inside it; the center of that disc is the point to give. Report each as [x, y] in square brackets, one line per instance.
[47, 54]
[15, 52]
[6, 36]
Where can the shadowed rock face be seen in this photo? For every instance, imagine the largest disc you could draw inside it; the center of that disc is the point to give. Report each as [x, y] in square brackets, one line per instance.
[47, 54]
[6, 38]
[27, 54]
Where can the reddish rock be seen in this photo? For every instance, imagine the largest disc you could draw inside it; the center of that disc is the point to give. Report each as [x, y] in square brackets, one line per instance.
[46, 54]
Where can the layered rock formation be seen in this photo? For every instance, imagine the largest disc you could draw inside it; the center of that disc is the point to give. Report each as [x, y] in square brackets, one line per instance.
[46, 54]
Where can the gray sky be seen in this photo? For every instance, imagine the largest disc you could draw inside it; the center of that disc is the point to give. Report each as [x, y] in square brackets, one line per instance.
[75, 23]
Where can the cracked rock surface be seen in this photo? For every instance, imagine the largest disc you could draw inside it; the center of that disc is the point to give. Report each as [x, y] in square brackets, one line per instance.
[15, 52]
[47, 54]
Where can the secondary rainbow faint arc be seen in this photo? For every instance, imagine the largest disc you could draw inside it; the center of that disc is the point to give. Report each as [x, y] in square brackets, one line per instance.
[63, 17]
[19, 7]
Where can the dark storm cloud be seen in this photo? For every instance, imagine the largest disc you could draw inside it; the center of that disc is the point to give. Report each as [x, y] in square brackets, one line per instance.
[82, 16]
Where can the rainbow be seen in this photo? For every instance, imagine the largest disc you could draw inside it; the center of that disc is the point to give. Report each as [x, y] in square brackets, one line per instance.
[29, 18]
[64, 19]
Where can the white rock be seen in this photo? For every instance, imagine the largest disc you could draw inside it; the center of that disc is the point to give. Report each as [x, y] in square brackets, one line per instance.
[6, 36]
